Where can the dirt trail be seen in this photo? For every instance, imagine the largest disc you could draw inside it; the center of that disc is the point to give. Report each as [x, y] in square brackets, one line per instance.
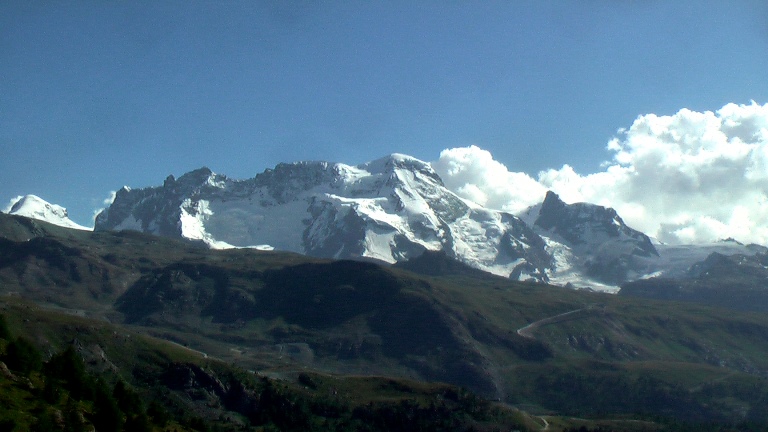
[546, 423]
[204, 355]
[527, 330]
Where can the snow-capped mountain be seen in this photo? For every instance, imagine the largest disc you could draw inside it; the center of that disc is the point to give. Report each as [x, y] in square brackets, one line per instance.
[679, 261]
[590, 243]
[732, 280]
[390, 210]
[34, 207]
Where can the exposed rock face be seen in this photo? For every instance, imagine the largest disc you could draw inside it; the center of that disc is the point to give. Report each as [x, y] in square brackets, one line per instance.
[594, 240]
[590, 225]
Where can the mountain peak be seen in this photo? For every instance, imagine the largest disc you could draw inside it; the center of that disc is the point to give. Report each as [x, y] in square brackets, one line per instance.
[203, 171]
[608, 250]
[394, 160]
[196, 177]
[32, 206]
[550, 210]
[397, 161]
[731, 240]
[568, 220]
[552, 197]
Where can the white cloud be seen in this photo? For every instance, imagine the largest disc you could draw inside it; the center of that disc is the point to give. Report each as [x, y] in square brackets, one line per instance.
[686, 178]
[472, 173]
[106, 202]
[110, 199]
[11, 203]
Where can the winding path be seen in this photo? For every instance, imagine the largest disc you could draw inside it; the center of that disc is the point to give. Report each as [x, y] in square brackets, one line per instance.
[546, 423]
[526, 330]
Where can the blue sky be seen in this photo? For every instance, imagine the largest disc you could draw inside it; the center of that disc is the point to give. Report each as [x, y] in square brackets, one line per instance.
[96, 95]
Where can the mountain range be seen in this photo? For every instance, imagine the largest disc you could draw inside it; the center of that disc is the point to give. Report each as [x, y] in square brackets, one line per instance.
[392, 210]
[313, 275]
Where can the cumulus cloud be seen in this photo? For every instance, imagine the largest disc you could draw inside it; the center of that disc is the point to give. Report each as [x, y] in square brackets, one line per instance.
[691, 177]
[472, 173]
